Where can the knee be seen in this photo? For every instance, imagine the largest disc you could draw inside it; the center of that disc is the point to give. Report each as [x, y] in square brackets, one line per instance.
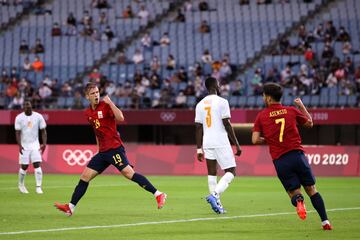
[231, 170]
[24, 167]
[36, 165]
[310, 190]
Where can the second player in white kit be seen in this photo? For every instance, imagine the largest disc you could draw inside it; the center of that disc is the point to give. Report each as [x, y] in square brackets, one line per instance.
[27, 125]
[213, 130]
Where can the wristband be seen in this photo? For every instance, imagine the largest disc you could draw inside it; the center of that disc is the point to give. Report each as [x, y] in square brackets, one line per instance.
[199, 151]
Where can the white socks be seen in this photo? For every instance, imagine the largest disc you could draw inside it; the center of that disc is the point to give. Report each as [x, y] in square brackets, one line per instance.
[212, 181]
[72, 207]
[38, 176]
[157, 193]
[224, 183]
[22, 174]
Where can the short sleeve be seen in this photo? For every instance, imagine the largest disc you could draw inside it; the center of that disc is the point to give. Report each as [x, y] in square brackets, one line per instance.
[301, 119]
[17, 124]
[42, 124]
[257, 125]
[198, 118]
[225, 110]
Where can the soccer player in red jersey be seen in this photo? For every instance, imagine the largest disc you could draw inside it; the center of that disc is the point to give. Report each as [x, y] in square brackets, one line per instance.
[103, 116]
[276, 125]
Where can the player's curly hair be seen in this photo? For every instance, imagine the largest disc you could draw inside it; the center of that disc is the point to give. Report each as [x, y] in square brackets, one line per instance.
[274, 90]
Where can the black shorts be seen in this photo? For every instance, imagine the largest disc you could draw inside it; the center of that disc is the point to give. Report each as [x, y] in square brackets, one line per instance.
[293, 170]
[116, 157]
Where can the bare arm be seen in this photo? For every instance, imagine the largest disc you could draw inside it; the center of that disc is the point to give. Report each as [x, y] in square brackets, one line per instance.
[44, 139]
[97, 142]
[119, 117]
[257, 139]
[199, 136]
[230, 131]
[302, 108]
[18, 140]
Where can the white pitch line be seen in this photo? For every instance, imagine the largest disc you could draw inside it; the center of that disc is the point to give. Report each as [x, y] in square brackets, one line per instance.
[72, 186]
[165, 222]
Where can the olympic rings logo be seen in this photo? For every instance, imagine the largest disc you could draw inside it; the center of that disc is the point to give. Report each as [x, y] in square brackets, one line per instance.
[168, 116]
[77, 157]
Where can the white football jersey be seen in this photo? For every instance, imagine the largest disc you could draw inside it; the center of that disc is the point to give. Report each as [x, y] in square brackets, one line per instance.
[29, 127]
[210, 112]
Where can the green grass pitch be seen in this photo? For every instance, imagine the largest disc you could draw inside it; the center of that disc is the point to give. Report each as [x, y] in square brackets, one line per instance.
[115, 208]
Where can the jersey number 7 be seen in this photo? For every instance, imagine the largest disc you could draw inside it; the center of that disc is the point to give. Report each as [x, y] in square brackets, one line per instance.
[282, 127]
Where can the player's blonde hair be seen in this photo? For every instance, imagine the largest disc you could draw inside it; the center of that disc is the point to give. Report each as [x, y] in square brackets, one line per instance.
[89, 86]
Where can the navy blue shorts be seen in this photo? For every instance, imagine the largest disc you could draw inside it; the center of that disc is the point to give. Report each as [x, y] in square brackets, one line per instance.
[293, 170]
[115, 157]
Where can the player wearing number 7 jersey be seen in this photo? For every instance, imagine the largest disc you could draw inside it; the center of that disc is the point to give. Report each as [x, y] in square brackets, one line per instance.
[213, 130]
[103, 115]
[276, 125]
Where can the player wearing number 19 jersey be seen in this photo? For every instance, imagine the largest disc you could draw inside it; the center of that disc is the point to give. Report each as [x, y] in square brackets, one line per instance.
[276, 125]
[103, 115]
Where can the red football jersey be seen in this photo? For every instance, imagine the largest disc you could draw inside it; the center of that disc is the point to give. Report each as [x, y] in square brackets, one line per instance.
[277, 123]
[103, 121]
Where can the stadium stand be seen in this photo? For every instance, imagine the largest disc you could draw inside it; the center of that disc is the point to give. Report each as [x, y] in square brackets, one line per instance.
[172, 72]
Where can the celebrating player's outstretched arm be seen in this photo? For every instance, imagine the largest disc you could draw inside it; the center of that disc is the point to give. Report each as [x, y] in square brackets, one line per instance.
[302, 108]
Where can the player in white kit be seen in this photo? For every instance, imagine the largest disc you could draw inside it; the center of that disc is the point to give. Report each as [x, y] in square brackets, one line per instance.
[27, 125]
[213, 130]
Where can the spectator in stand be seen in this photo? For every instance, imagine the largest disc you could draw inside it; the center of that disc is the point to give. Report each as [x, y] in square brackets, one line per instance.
[103, 19]
[155, 64]
[66, 90]
[144, 15]
[108, 34]
[286, 75]
[95, 75]
[165, 40]
[206, 58]
[24, 47]
[309, 55]
[17, 102]
[244, 2]
[26, 65]
[86, 19]
[180, 16]
[357, 78]
[204, 27]
[285, 47]
[330, 29]
[319, 32]
[170, 63]
[346, 48]
[327, 55]
[47, 80]
[14, 73]
[78, 101]
[95, 36]
[181, 75]
[138, 57]
[237, 88]
[56, 30]
[271, 76]
[100, 4]
[203, 6]
[225, 70]
[4, 78]
[71, 24]
[122, 59]
[188, 6]
[302, 33]
[344, 36]
[45, 93]
[146, 41]
[349, 66]
[331, 80]
[256, 82]
[180, 100]
[38, 65]
[128, 12]
[154, 81]
[39, 47]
